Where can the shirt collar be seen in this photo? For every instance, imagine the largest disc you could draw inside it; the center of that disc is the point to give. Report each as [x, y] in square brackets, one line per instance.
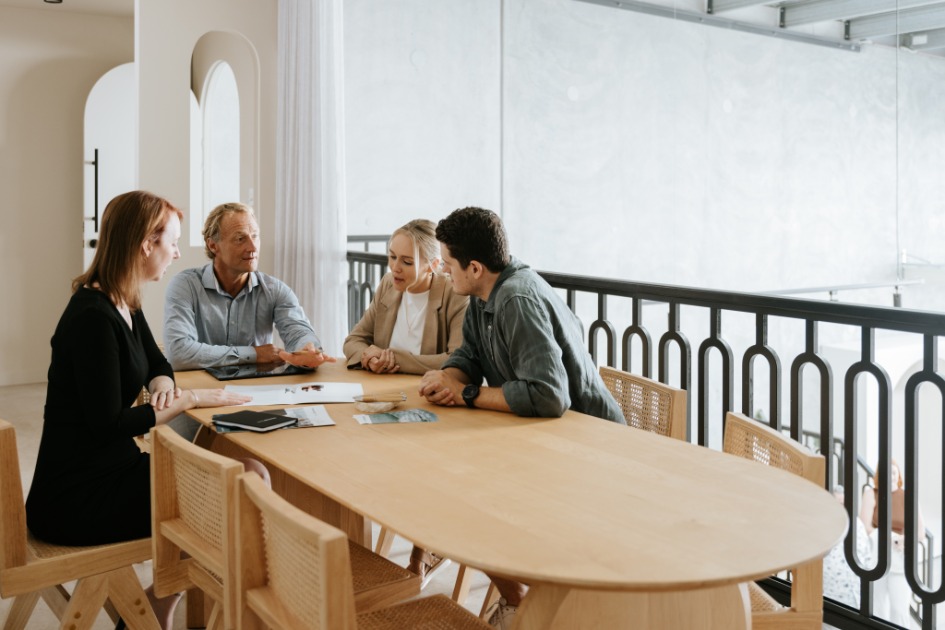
[210, 281]
[514, 265]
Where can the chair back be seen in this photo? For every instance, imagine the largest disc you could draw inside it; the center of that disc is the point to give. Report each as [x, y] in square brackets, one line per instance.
[648, 404]
[758, 442]
[293, 570]
[12, 509]
[192, 511]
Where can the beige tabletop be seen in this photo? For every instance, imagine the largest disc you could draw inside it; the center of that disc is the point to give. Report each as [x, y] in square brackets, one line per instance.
[575, 501]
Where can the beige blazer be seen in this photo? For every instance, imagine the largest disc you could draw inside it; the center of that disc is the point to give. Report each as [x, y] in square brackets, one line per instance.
[442, 329]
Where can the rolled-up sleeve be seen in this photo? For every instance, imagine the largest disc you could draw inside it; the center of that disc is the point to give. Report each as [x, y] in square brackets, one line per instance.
[541, 386]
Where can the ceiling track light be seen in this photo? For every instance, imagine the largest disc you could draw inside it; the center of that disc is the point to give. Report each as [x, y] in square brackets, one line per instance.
[53, 1]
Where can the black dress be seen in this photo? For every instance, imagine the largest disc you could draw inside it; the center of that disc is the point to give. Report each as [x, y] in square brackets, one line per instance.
[92, 483]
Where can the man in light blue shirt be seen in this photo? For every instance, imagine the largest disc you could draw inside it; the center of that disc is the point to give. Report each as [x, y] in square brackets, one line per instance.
[224, 312]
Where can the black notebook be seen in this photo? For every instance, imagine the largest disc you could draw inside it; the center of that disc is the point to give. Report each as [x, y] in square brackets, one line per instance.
[259, 421]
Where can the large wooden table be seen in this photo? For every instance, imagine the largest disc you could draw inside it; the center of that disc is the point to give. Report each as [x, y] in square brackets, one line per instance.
[613, 527]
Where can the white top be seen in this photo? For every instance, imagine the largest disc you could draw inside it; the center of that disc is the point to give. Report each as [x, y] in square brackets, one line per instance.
[411, 315]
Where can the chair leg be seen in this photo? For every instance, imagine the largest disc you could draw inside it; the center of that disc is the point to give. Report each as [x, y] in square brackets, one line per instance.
[216, 617]
[492, 594]
[130, 600]
[57, 598]
[197, 611]
[111, 611]
[384, 539]
[87, 600]
[461, 588]
[20, 611]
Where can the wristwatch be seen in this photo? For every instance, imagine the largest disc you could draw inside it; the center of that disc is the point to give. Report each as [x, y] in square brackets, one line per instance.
[470, 392]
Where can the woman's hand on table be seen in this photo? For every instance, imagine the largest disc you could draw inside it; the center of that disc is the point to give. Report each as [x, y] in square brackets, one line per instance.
[162, 392]
[383, 362]
[215, 398]
[308, 357]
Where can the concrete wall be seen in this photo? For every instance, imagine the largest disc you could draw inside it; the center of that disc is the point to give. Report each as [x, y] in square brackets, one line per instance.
[639, 147]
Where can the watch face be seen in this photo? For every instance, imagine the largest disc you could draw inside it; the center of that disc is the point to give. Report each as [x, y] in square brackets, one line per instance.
[470, 392]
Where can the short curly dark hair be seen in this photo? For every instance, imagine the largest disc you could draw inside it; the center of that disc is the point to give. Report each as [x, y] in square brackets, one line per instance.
[475, 234]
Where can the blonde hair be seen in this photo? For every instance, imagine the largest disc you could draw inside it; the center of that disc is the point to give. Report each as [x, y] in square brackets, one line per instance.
[211, 227]
[422, 232]
[128, 221]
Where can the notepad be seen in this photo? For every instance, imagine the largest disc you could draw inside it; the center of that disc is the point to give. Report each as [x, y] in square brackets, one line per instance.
[259, 421]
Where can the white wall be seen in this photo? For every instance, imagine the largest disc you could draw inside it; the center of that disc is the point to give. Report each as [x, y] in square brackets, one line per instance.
[167, 32]
[49, 62]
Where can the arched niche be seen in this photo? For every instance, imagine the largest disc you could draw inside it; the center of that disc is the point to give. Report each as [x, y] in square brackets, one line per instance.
[215, 54]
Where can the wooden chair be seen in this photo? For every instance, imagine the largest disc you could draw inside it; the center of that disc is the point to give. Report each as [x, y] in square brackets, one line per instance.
[30, 569]
[193, 511]
[294, 571]
[192, 493]
[648, 404]
[752, 440]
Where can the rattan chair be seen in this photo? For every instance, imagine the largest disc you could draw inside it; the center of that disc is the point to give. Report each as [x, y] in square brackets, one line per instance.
[752, 440]
[294, 572]
[193, 512]
[648, 404]
[30, 569]
[192, 492]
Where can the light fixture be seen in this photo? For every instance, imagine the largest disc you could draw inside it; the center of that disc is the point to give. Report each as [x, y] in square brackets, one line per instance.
[53, 1]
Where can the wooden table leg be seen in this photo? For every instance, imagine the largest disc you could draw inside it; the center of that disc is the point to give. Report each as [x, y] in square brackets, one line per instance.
[549, 607]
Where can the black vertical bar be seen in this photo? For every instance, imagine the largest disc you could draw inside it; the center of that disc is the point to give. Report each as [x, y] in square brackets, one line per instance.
[95, 204]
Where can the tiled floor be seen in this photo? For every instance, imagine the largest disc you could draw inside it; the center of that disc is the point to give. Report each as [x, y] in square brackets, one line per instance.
[22, 406]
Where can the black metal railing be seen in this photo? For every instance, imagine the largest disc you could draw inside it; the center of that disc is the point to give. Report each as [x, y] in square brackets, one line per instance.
[634, 324]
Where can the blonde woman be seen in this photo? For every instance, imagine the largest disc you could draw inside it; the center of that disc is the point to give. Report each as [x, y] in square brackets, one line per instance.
[415, 319]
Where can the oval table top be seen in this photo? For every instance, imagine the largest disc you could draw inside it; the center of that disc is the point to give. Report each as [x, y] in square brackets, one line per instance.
[575, 501]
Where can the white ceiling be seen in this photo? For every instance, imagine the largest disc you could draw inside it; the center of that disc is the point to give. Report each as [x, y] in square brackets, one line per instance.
[124, 8]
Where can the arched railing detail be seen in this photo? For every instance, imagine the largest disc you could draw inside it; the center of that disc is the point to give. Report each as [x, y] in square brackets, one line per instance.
[602, 324]
[728, 376]
[636, 329]
[810, 356]
[929, 375]
[867, 365]
[762, 349]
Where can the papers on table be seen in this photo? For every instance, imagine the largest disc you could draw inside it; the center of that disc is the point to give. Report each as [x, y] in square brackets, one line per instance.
[393, 417]
[299, 393]
[311, 416]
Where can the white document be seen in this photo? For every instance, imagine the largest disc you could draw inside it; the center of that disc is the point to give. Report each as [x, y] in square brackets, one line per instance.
[313, 416]
[299, 393]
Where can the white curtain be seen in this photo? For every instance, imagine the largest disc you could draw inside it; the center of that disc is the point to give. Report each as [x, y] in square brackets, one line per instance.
[310, 174]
